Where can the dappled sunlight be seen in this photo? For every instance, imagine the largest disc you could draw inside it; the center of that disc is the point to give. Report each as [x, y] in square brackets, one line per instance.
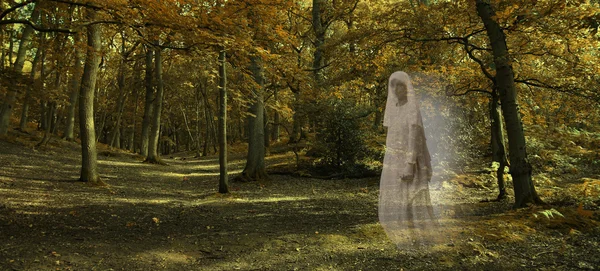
[125, 164]
[271, 199]
[165, 257]
[156, 201]
[33, 212]
[216, 167]
[190, 175]
[26, 198]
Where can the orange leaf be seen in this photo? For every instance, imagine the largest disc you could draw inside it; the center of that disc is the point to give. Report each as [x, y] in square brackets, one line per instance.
[584, 213]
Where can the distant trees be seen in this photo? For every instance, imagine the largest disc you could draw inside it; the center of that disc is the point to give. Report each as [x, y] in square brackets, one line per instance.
[288, 62]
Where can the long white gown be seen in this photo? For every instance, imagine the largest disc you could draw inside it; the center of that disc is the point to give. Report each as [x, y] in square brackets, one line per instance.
[405, 209]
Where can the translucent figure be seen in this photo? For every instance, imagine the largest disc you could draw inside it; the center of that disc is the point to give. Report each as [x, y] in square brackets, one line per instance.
[405, 209]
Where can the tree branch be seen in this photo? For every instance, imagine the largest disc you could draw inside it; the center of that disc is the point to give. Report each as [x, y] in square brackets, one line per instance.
[15, 7]
[36, 27]
[449, 92]
[579, 92]
[87, 5]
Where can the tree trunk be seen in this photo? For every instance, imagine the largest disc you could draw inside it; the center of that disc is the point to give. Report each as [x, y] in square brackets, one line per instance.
[137, 79]
[2, 48]
[11, 95]
[520, 169]
[131, 142]
[26, 101]
[207, 133]
[255, 162]
[74, 85]
[43, 118]
[266, 127]
[198, 122]
[498, 148]
[89, 168]
[319, 29]
[120, 105]
[50, 123]
[116, 134]
[152, 156]
[100, 133]
[11, 45]
[275, 130]
[148, 106]
[297, 120]
[223, 176]
[211, 132]
[187, 127]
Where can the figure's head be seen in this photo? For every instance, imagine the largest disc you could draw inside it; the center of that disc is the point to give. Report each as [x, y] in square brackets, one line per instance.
[401, 105]
[399, 85]
[401, 91]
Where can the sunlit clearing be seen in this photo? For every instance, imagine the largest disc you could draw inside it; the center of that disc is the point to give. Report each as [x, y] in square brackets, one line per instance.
[126, 164]
[196, 174]
[166, 256]
[32, 213]
[276, 156]
[145, 201]
[273, 199]
[216, 167]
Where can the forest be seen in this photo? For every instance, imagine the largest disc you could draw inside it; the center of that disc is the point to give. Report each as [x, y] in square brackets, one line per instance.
[251, 134]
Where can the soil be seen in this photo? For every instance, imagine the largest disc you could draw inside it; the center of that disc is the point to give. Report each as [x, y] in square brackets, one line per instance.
[170, 217]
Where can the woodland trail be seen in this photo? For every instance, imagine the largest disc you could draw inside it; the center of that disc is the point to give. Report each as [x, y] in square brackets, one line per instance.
[152, 217]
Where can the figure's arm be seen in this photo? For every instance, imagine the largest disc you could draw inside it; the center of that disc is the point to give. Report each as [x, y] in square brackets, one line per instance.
[421, 152]
[415, 144]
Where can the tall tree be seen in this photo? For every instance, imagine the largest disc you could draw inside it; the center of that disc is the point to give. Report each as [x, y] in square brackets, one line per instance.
[89, 155]
[148, 104]
[223, 176]
[74, 85]
[255, 161]
[520, 169]
[154, 137]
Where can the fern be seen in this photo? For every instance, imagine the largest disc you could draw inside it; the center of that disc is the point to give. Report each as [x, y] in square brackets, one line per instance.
[549, 213]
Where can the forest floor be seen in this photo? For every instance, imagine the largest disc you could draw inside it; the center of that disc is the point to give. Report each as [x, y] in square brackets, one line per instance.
[153, 217]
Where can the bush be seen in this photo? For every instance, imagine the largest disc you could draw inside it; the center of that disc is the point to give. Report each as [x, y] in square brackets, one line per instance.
[341, 139]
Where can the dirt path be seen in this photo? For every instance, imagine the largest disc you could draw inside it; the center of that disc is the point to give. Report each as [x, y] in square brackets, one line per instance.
[170, 217]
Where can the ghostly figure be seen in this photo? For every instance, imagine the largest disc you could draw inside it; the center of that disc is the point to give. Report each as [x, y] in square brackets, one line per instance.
[405, 209]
